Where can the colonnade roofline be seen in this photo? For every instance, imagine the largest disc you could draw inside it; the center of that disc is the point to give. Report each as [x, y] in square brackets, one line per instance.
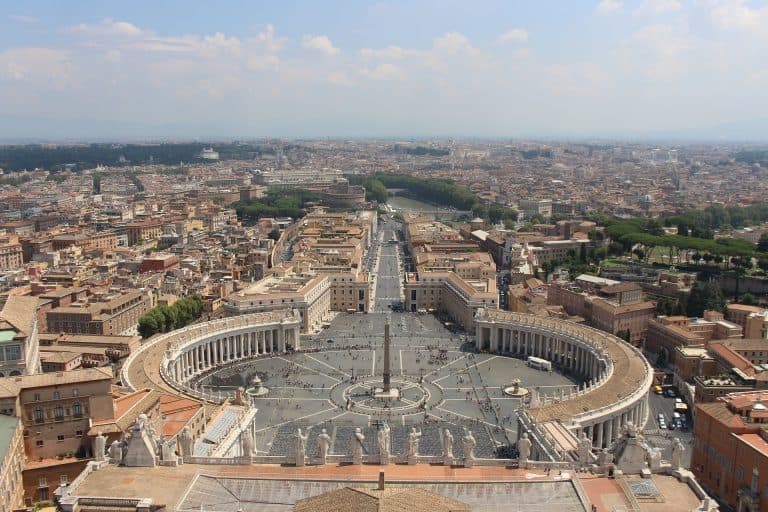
[624, 388]
[154, 365]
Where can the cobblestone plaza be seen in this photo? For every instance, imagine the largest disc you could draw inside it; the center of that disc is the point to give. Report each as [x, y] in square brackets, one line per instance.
[442, 383]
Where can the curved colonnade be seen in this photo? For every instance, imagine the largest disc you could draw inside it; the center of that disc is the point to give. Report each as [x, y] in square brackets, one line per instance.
[617, 376]
[192, 351]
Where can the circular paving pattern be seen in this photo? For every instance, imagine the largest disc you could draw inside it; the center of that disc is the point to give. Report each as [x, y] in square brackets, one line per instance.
[442, 383]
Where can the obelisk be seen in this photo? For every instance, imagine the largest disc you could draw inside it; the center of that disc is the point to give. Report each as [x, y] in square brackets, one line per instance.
[387, 385]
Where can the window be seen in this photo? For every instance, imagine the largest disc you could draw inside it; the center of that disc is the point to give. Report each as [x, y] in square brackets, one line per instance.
[63, 480]
[60, 437]
[58, 413]
[79, 433]
[39, 415]
[37, 397]
[75, 392]
[77, 409]
[56, 395]
[39, 443]
[42, 482]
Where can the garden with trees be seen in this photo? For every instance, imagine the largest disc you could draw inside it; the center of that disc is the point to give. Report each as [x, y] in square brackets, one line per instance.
[167, 318]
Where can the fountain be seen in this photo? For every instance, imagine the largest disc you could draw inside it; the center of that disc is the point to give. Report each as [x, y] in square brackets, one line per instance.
[256, 390]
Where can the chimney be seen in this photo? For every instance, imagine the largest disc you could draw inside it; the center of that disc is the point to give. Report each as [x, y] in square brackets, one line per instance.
[381, 480]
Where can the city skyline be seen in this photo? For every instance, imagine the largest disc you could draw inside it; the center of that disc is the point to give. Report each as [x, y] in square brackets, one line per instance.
[649, 69]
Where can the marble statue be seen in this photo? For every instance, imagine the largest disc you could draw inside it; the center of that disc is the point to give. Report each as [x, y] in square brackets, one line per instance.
[678, 449]
[141, 447]
[186, 442]
[300, 447]
[630, 429]
[323, 443]
[99, 447]
[447, 447]
[468, 445]
[604, 458]
[413, 445]
[357, 446]
[383, 438]
[168, 451]
[585, 449]
[524, 448]
[246, 443]
[116, 452]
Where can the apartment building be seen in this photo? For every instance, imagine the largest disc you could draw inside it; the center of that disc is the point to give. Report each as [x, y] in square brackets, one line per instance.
[110, 313]
[11, 256]
[666, 333]
[11, 463]
[19, 338]
[729, 455]
[447, 293]
[608, 305]
[313, 295]
[56, 411]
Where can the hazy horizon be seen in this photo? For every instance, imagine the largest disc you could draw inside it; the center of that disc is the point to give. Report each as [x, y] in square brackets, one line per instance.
[642, 70]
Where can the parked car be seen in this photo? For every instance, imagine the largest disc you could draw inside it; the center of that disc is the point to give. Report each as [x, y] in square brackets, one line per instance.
[671, 393]
[658, 390]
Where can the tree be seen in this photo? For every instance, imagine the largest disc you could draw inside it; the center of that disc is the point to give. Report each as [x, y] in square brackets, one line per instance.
[696, 258]
[748, 299]
[762, 244]
[705, 295]
[639, 253]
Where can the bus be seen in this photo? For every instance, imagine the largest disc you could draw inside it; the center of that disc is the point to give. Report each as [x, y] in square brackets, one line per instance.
[539, 364]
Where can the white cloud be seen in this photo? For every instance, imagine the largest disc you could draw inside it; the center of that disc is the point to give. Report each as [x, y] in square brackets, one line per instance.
[340, 78]
[107, 27]
[23, 18]
[652, 7]
[453, 43]
[609, 6]
[390, 52]
[319, 43]
[736, 15]
[516, 35]
[385, 71]
[48, 66]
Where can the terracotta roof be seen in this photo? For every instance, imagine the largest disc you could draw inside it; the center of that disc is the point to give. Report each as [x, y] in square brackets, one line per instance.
[20, 311]
[731, 358]
[10, 386]
[390, 499]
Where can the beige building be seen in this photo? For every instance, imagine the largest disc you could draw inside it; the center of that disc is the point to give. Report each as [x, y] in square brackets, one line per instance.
[56, 411]
[314, 296]
[608, 305]
[446, 292]
[11, 256]
[19, 343]
[11, 463]
[114, 313]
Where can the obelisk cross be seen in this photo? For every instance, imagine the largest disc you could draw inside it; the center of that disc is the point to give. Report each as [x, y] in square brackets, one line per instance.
[386, 359]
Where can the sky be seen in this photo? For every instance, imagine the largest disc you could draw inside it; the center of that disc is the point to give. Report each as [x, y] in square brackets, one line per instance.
[96, 70]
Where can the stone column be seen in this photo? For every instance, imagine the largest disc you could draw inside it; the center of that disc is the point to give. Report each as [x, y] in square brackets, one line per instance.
[608, 430]
[281, 340]
[599, 439]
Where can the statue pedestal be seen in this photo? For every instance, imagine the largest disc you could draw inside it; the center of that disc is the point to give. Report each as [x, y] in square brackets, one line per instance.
[384, 459]
[299, 461]
[413, 459]
[469, 462]
[392, 394]
[448, 460]
[357, 459]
